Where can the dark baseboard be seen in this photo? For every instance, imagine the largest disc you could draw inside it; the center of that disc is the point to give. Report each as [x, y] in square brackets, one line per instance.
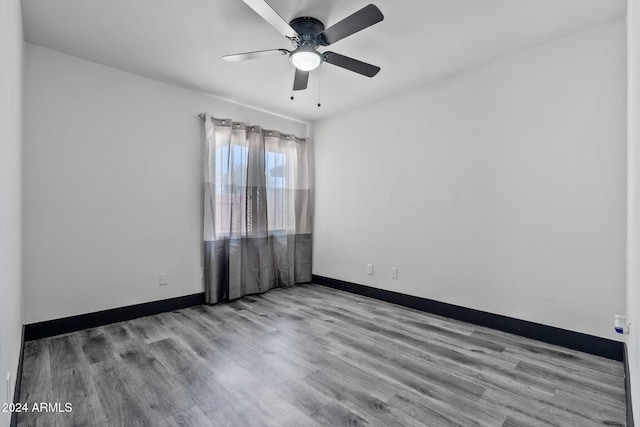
[569, 339]
[18, 379]
[627, 388]
[54, 327]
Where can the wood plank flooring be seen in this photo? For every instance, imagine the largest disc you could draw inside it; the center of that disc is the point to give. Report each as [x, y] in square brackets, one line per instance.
[314, 356]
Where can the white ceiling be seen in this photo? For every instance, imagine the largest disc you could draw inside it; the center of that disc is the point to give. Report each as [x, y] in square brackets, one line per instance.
[182, 42]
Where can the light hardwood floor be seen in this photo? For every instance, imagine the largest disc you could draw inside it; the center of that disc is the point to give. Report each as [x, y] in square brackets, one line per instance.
[309, 356]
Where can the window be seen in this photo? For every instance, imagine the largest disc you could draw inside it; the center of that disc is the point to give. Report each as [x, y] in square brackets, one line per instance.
[269, 172]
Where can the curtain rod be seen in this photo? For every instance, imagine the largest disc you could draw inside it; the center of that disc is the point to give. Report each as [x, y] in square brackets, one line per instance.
[202, 117]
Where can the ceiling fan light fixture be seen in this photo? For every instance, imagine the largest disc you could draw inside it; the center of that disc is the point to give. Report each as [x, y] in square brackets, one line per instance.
[305, 58]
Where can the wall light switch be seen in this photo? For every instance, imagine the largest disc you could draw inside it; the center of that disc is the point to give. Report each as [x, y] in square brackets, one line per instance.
[394, 273]
[163, 279]
[370, 269]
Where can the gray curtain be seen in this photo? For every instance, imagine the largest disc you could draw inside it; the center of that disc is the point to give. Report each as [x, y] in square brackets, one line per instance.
[257, 210]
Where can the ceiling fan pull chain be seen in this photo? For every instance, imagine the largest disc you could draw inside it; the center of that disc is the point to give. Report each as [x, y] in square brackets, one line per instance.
[319, 90]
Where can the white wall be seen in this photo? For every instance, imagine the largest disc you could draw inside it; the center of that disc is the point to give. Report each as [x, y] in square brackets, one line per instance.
[112, 192]
[500, 189]
[633, 197]
[11, 52]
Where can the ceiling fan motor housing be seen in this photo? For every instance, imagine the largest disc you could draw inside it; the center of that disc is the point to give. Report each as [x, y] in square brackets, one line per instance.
[306, 57]
[309, 30]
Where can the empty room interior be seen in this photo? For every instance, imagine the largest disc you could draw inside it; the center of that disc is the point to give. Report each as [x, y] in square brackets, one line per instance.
[320, 213]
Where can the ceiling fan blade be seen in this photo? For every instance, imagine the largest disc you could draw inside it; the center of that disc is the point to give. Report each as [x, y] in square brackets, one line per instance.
[255, 55]
[300, 80]
[365, 17]
[351, 64]
[263, 9]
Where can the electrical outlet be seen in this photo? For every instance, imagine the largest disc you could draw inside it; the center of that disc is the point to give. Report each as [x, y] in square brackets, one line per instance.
[163, 279]
[370, 269]
[621, 324]
[394, 273]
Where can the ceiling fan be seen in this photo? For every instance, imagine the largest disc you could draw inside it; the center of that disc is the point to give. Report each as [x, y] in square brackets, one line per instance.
[307, 34]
